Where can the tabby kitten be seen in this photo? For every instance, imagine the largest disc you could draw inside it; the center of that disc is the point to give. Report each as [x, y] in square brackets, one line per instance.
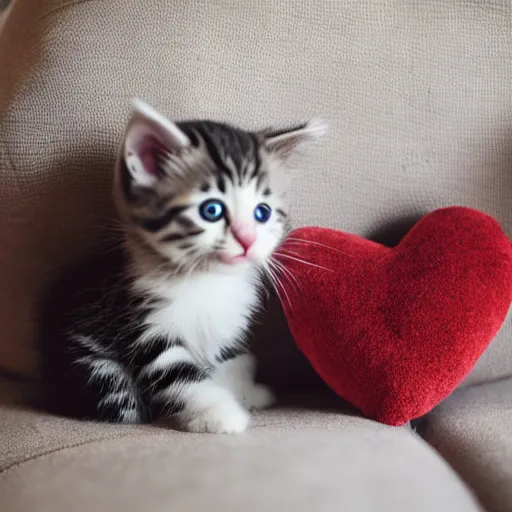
[158, 327]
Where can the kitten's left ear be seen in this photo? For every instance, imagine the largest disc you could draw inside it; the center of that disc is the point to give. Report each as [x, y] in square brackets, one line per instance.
[147, 135]
[284, 143]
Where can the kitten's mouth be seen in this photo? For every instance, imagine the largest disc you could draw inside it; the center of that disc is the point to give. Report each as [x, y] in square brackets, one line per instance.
[232, 260]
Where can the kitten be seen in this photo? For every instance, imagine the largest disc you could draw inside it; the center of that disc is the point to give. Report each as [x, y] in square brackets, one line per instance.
[158, 327]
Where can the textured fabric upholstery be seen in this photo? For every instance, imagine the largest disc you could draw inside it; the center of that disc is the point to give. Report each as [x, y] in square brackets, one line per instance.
[291, 459]
[473, 431]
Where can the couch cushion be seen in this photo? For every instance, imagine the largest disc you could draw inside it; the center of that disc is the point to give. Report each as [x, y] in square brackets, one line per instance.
[473, 431]
[292, 458]
[418, 97]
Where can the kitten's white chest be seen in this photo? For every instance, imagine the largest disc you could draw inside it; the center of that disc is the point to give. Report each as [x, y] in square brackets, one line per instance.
[206, 311]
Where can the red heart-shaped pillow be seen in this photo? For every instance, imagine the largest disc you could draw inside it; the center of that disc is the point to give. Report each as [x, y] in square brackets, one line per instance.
[394, 330]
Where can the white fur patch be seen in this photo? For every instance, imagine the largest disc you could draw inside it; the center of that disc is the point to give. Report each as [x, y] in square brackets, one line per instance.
[237, 375]
[211, 408]
[205, 311]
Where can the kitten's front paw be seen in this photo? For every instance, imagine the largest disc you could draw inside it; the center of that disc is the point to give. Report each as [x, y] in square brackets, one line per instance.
[223, 418]
[258, 396]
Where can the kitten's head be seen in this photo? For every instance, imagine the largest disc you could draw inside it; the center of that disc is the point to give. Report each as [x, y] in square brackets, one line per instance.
[205, 193]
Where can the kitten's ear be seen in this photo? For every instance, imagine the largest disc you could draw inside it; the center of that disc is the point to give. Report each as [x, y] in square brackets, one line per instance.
[284, 143]
[148, 136]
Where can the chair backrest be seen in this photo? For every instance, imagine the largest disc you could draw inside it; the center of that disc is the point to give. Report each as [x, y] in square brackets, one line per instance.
[418, 97]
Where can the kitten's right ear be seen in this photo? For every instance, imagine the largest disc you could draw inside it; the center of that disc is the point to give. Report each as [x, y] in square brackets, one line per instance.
[283, 143]
[148, 136]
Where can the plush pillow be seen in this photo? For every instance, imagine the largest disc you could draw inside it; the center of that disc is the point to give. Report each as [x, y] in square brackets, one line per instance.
[394, 330]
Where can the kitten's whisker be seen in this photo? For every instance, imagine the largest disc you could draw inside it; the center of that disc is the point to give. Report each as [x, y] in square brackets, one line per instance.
[282, 270]
[266, 274]
[288, 250]
[273, 279]
[311, 242]
[293, 286]
[288, 273]
[281, 254]
[277, 284]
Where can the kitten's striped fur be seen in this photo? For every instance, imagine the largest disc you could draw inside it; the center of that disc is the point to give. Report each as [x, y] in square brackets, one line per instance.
[159, 326]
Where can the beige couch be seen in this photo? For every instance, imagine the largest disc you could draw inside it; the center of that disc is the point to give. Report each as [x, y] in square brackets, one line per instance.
[418, 96]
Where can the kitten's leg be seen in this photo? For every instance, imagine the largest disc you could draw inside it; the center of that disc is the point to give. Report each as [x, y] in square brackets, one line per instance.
[102, 385]
[214, 409]
[180, 386]
[237, 375]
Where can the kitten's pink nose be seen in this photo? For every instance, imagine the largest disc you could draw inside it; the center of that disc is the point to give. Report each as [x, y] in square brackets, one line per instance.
[245, 235]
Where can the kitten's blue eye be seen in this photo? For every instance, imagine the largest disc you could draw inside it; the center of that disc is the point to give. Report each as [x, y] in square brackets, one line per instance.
[262, 213]
[212, 210]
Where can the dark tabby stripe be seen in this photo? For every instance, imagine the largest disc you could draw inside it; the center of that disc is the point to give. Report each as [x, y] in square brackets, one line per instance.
[261, 179]
[158, 223]
[186, 223]
[165, 407]
[255, 158]
[277, 133]
[190, 133]
[227, 353]
[161, 379]
[257, 167]
[146, 353]
[111, 412]
[214, 154]
[221, 184]
[174, 237]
